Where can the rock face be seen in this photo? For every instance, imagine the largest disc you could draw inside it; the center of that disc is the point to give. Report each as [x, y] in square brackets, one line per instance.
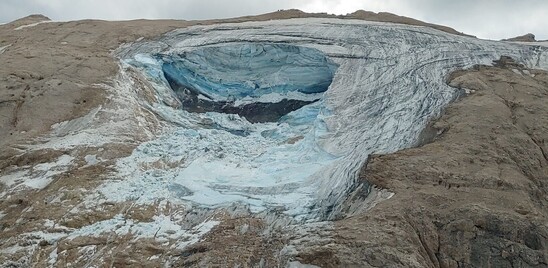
[523, 38]
[158, 163]
[29, 20]
[389, 17]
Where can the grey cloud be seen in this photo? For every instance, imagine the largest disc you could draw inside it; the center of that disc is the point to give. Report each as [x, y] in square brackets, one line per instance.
[134, 9]
[484, 18]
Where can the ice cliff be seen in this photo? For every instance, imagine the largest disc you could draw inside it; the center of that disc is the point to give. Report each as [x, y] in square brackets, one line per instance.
[279, 116]
[258, 81]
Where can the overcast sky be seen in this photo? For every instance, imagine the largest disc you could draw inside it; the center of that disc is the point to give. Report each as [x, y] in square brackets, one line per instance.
[492, 19]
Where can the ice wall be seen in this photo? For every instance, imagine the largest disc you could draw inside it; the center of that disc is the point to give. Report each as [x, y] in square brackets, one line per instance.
[389, 82]
[261, 82]
[249, 70]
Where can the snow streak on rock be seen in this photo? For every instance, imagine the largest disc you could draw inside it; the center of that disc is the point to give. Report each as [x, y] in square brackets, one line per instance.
[389, 82]
[4, 48]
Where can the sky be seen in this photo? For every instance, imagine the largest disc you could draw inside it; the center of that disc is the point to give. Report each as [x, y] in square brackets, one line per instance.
[488, 19]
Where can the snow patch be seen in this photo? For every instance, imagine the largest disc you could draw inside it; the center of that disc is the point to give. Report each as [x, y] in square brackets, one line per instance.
[37, 177]
[116, 122]
[91, 160]
[297, 264]
[52, 258]
[2, 49]
[12, 249]
[516, 71]
[162, 228]
[31, 25]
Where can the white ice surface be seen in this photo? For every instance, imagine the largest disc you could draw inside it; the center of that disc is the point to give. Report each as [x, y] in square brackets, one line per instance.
[91, 159]
[538, 43]
[52, 258]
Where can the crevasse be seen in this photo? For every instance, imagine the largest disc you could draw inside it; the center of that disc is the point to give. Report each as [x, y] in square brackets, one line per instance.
[362, 88]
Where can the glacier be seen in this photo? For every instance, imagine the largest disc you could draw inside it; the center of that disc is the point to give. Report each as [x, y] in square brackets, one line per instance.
[340, 90]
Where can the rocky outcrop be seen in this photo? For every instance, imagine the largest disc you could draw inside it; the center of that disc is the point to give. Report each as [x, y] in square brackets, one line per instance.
[389, 17]
[360, 15]
[28, 20]
[522, 38]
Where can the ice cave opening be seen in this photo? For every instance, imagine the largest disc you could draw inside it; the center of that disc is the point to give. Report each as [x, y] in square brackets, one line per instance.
[261, 82]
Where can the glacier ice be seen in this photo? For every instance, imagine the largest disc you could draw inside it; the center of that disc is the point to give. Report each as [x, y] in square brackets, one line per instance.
[369, 88]
[249, 70]
[265, 81]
